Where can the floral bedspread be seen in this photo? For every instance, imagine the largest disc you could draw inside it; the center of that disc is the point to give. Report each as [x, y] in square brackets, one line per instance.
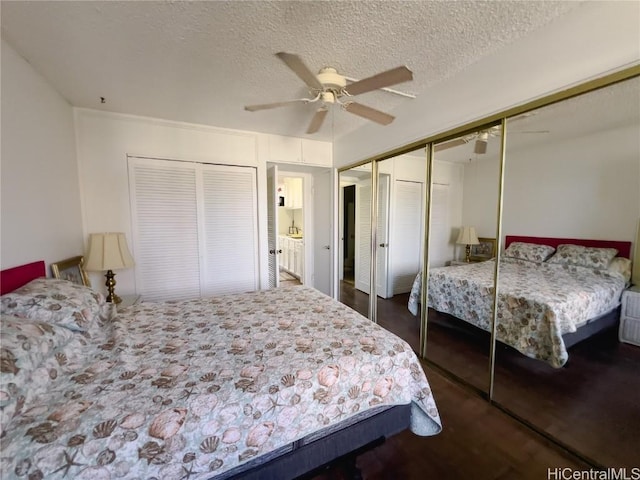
[537, 302]
[192, 389]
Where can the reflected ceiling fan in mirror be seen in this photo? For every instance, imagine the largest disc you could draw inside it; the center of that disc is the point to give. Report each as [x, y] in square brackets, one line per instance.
[330, 88]
[481, 138]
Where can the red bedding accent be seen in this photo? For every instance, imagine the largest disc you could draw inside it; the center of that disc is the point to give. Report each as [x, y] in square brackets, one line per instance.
[13, 278]
[624, 248]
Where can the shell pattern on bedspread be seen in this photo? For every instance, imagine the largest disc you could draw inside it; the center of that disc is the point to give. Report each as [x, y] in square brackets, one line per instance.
[537, 302]
[191, 389]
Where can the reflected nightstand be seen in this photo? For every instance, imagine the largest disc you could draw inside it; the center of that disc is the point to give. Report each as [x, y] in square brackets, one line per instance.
[630, 316]
[128, 300]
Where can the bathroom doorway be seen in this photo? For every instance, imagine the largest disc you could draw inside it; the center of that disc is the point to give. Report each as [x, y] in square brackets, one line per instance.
[290, 228]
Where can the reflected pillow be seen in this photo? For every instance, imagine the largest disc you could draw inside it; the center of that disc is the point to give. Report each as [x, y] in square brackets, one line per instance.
[590, 257]
[622, 266]
[531, 252]
[55, 301]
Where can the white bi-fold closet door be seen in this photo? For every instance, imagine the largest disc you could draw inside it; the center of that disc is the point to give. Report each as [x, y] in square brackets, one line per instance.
[363, 236]
[195, 229]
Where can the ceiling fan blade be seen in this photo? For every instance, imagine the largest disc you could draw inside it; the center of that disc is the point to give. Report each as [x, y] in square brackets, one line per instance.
[295, 63]
[316, 121]
[450, 144]
[265, 106]
[369, 113]
[381, 80]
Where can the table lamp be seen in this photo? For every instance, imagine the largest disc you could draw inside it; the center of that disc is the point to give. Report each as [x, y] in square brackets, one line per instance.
[108, 251]
[467, 237]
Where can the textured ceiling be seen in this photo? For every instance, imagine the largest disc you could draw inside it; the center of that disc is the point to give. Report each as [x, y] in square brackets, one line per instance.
[201, 62]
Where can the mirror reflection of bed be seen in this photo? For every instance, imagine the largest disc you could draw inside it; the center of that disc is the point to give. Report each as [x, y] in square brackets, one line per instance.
[571, 180]
[570, 170]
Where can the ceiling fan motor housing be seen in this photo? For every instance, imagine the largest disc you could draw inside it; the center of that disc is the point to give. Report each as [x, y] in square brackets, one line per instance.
[331, 79]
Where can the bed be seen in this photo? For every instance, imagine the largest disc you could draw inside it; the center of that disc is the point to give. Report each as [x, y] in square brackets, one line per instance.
[268, 384]
[553, 293]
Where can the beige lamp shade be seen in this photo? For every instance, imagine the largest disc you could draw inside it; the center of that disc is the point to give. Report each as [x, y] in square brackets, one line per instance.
[108, 251]
[467, 236]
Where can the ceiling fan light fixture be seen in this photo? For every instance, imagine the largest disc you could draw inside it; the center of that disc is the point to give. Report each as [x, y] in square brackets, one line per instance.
[480, 146]
[329, 97]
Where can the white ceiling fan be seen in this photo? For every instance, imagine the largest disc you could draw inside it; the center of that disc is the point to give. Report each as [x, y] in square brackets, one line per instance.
[482, 138]
[330, 88]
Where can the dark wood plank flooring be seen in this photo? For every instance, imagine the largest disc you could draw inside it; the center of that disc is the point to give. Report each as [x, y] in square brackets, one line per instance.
[478, 442]
[591, 405]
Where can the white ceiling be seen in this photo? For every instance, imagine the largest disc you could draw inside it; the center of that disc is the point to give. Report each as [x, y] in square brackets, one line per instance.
[201, 62]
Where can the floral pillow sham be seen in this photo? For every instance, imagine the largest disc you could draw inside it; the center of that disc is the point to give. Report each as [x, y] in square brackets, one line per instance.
[55, 301]
[622, 266]
[25, 345]
[531, 252]
[577, 255]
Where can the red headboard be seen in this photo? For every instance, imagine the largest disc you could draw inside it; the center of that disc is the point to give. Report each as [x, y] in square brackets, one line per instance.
[624, 248]
[13, 278]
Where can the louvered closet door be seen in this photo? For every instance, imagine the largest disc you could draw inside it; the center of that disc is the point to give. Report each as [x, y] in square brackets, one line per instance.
[165, 238]
[363, 234]
[363, 238]
[407, 225]
[230, 229]
[194, 228]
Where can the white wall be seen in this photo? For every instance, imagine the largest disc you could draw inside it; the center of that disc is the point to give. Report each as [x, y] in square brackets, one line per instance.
[452, 175]
[596, 38]
[587, 187]
[105, 140]
[41, 217]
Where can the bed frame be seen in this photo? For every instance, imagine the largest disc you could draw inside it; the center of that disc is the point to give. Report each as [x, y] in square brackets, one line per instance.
[340, 444]
[14, 278]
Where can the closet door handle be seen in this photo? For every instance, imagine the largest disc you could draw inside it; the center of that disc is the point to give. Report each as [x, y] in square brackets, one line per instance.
[280, 251]
[272, 252]
[384, 245]
[327, 247]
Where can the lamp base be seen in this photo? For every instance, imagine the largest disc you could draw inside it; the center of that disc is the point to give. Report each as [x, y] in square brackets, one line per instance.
[111, 284]
[467, 258]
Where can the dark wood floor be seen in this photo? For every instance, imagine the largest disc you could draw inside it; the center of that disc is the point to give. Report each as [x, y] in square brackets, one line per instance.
[591, 405]
[477, 442]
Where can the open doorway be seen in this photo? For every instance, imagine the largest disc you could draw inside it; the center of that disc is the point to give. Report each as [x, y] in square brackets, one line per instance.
[349, 233]
[291, 209]
[299, 226]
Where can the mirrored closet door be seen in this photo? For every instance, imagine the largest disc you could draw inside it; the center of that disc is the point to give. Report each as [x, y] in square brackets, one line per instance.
[572, 176]
[400, 239]
[355, 237]
[462, 247]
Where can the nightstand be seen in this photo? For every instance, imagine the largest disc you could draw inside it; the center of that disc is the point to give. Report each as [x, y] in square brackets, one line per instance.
[630, 316]
[128, 300]
[457, 263]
